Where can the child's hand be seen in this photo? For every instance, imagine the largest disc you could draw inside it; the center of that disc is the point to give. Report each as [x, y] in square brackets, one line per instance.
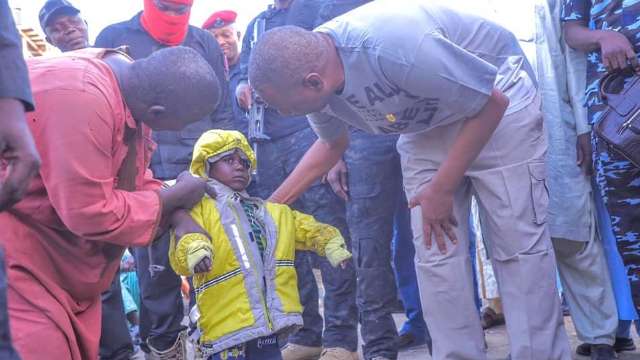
[203, 266]
[336, 252]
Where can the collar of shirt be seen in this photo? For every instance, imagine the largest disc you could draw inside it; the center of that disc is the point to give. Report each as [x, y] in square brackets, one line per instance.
[134, 22]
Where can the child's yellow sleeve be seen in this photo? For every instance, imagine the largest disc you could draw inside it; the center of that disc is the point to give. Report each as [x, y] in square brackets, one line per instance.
[321, 238]
[185, 253]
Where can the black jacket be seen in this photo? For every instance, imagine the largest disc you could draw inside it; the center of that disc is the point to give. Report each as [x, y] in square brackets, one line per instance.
[14, 78]
[276, 126]
[174, 147]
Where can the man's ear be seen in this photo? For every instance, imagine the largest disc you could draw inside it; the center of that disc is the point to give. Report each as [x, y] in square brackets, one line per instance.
[156, 111]
[313, 81]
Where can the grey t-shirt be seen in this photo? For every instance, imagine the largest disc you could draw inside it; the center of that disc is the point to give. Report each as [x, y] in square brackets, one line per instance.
[413, 65]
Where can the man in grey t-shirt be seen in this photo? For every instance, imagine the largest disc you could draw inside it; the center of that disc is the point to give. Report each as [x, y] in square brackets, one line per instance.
[460, 91]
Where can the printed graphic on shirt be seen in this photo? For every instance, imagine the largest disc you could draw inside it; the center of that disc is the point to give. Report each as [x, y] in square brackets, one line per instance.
[419, 113]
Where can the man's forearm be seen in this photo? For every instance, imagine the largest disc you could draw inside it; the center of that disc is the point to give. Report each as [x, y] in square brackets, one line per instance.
[580, 37]
[317, 161]
[473, 136]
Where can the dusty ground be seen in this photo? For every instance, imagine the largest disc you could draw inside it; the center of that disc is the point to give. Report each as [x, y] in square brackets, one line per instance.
[497, 340]
[499, 345]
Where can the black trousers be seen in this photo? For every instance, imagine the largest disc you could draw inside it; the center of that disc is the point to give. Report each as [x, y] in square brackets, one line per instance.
[115, 341]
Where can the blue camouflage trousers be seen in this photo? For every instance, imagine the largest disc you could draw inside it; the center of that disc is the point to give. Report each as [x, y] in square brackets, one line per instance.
[618, 181]
[276, 159]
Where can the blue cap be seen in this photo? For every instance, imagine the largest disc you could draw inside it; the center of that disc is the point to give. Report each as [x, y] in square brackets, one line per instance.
[52, 8]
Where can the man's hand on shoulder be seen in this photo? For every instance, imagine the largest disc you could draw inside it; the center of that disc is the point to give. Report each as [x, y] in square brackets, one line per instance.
[187, 191]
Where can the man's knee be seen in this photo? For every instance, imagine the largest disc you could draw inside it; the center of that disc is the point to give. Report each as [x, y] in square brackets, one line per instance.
[29, 323]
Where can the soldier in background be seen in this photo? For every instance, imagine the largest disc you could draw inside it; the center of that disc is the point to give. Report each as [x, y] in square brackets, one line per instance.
[222, 25]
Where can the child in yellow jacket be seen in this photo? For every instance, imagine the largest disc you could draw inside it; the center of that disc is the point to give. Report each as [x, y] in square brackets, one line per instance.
[243, 272]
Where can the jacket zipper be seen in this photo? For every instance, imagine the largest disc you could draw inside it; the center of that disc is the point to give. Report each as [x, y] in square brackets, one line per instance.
[262, 294]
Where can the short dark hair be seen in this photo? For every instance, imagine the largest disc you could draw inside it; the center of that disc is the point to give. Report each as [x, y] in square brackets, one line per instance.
[179, 79]
[284, 56]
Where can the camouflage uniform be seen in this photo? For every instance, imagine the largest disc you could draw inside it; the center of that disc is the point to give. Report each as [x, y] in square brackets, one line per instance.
[617, 179]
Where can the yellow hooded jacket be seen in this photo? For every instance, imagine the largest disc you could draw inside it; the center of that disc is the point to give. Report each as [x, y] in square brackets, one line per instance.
[244, 297]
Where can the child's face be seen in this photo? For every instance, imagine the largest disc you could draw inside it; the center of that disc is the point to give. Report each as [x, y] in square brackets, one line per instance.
[231, 170]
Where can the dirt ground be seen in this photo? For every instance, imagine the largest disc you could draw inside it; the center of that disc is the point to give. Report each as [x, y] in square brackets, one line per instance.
[497, 340]
[499, 344]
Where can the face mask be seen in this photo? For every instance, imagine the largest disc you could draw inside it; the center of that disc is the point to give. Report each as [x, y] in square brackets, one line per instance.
[165, 28]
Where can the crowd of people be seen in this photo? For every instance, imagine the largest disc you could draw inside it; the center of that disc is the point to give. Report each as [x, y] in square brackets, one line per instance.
[412, 151]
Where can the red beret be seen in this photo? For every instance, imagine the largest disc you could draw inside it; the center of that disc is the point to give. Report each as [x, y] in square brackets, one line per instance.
[220, 19]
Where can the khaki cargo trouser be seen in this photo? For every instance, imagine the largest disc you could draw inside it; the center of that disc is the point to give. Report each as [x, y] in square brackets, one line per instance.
[508, 181]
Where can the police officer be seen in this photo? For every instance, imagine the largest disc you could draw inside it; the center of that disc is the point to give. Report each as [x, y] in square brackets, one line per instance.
[222, 25]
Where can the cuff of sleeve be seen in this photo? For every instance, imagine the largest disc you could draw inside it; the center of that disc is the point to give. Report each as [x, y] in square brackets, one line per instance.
[197, 253]
[582, 128]
[336, 251]
[189, 251]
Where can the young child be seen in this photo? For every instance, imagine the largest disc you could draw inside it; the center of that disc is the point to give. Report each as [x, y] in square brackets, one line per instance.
[244, 277]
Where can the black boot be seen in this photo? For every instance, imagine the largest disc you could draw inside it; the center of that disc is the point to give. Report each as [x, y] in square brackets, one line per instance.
[602, 352]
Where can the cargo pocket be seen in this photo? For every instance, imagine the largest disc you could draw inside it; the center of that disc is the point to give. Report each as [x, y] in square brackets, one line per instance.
[539, 192]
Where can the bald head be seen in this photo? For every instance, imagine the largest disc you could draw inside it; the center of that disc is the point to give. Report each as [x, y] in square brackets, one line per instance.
[171, 88]
[294, 70]
[284, 56]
